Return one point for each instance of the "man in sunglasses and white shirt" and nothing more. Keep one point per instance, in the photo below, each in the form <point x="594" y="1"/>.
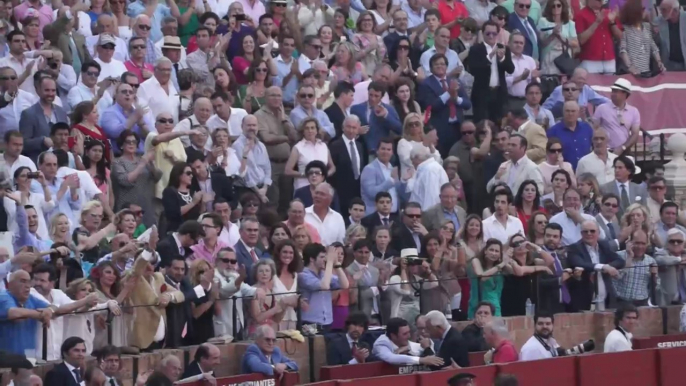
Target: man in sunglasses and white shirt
<point x="230" y="277"/>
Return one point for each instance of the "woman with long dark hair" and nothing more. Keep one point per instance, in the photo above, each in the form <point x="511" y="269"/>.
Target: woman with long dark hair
<point x="179" y="200"/>
<point x="247" y="53"/>
<point x="527" y="201"/>
<point x="251" y="97"/>
<point x="279" y="232"/>
<point x="552" y="202"/>
<point x="97" y="166"/>
<point x="485" y="274"/>
<point x="536" y="225"/>
<point x="288" y="263"/>
<point x="109" y="286"/>
<point x="400" y="58"/>
<point x="403" y="98"/>
<point x="224" y="80"/>
<point x="637" y="46"/>
<point x="557" y="35"/>
<point x="341" y="28"/>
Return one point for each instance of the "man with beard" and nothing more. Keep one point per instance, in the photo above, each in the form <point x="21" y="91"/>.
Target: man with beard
<point x="350" y="348"/>
<point x="556" y="298"/>
<point x="541" y="345"/>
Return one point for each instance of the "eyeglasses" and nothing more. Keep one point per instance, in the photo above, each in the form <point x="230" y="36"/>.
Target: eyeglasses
<point x="491" y="34"/>
<point x="134" y="85"/>
<point x="527" y="6"/>
<point x="500" y="17"/>
<point x="280" y="4"/>
<point x="138" y="47"/>
<point x="127" y="92"/>
<point x="144" y="27"/>
<point x="188" y="173"/>
<point x="92" y="73"/>
<point x="554" y="150"/>
<point x="610" y="205"/>
<point x="228" y="261"/>
<point x="676" y="242"/>
<point x="316" y="47"/>
<point x="588" y="231"/>
<point x="207" y="226"/>
<point x="568" y="89"/>
<point x="11" y="77"/>
<point x="260" y="69"/>
<point x="314" y="173"/>
<point x="131" y="142"/>
<point x="307" y="95"/>
<point x="165" y="120"/>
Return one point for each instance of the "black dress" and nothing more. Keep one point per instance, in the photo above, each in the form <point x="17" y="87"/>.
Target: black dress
<point x="172" y="201"/>
<point x="516" y="289"/>
<point x="203" y="327"/>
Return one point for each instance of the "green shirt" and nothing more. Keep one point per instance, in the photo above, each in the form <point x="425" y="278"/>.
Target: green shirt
<point x="139" y="230"/>
<point x="187" y="30"/>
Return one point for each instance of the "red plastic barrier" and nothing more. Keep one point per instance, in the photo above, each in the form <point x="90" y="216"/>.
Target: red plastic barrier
<point x="660" y="341"/>
<point x="364" y="370"/>
<point x="625" y="368"/>
<point x="477" y="358"/>
<point x="484" y="376"/>
<point x="289" y="379"/>
<point x="558" y="371"/>
<point x="394" y="380"/>
<point x="671" y="361"/>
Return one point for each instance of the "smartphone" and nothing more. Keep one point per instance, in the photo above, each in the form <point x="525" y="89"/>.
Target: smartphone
<point x="240" y="17"/>
<point x="33" y="175"/>
<point x="499" y="45"/>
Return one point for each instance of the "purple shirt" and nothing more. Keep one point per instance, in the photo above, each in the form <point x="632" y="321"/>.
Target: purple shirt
<point x="113" y="122"/>
<point x="200" y="251"/>
<point x="618" y="130"/>
<point x="320" y="301"/>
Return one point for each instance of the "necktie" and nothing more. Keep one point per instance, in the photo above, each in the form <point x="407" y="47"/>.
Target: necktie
<point x="353" y="159"/>
<point x="563" y="288"/>
<point x="625" y="197"/>
<point x="611" y="229"/>
<point x="354" y="346"/>
<point x="451" y="106"/>
<point x="75" y="59"/>
<point x="112" y="382"/>
<point x="253" y="255"/>
<point x="385" y="221"/>
<point x="176" y="68"/>
<point x="77" y="374"/>
<point x="532" y="36"/>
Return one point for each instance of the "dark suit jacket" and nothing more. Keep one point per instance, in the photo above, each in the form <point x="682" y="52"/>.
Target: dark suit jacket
<point x="60" y="376"/>
<point x="192" y="369"/>
<point x="179" y="315"/>
<point x="453" y="348"/>
<point x="338" y="351"/>
<point x="401" y="237"/>
<point x="391" y="40"/>
<point x="549" y="293"/>
<point x="378" y="127"/>
<point x="168" y="249"/>
<point x="481" y="70"/>
<point x="336" y="116"/>
<point x="343" y="180"/>
<point x="59" y="29"/>
<point x="429" y="96"/>
<point x="374" y="220"/>
<point x="244" y="258"/>
<point x="222" y="185"/>
<point x="35" y="128"/>
<point x="474" y="338"/>
<point x="515" y="23"/>
<point x="582" y="291"/>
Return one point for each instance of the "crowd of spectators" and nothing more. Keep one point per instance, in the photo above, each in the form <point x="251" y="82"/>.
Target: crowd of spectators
<point x="197" y="171"/>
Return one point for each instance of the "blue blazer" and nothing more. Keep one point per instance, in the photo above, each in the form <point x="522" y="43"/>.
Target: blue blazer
<point x="515" y="23"/>
<point x="373" y="181"/>
<point x="34" y="128"/>
<point x="244" y="258"/>
<point x="429" y="95"/>
<point x="254" y="361"/>
<point x="378" y="127"/>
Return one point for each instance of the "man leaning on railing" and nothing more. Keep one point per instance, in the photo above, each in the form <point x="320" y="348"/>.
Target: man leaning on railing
<point x="264" y="357"/>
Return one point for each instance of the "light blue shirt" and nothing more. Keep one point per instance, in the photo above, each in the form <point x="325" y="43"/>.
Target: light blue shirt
<point x="66" y="205"/>
<point x="319" y="310"/>
<point x="453" y="60"/>
<point x="394" y="195"/>
<point x="19" y="336"/>
<point x="299" y="113"/>
<point x="283" y="69"/>
<point x="136" y="8"/>
<point x="542" y="114"/>
<point x="259" y="168"/>
<point x="24" y="237"/>
<point x="113" y="122"/>
<point x="586" y="96"/>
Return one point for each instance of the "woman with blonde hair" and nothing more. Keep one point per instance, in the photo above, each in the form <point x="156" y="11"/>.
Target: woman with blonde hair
<point x="345" y="67"/>
<point x="636" y="217"/>
<point x="110" y="286"/>
<point x="353" y="233"/>
<point x="301" y="237"/>
<point x="309" y="148"/>
<point x="83" y="324"/>
<point x="369" y="46"/>
<point x="414" y="133"/>
<point x="201" y="274"/>
<point x="228" y="160"/>
<point x="89" y="237"/>
<point x="590" y="193"/>
<point x="269" y="310"/>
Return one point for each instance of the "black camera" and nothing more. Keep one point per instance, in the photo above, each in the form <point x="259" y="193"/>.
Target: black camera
<point x="52" y="64"/>
<point x="581" y="348"/>
<point x="414" y="261"/>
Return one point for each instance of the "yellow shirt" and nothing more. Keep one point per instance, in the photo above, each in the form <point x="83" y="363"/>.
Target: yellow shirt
<point x="162" y="161"/>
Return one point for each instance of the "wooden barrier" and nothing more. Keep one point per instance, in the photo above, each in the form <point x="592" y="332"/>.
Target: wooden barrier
<point x="624" y="368"/>
<point x="477" y="358"/>
<point x="288" y="379"/>
<point x="660" y="341"/>
<point x="363" y="370"/>
<point x="557" y="371"/>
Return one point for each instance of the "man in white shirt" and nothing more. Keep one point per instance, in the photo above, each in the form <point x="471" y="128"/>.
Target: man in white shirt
<point x="441" y="41"/>
<point x="599" y="162"/>
<point x="202" y="111"/>
<point x="158" y="93"/>
<point x="312" y="49"/>
<point x="225" y="117"/>
<point x="571" y="218"/>
<point x="11" y="157"/>
<point x="619" y="339"/>
<point x="229" y="234"/>
<point x="395" y="347"/>
<point x="13" y="100"/>
<point x="44" y="277"/>
<point x="501" y="225"/>
<point x="20" y="63"/>
<point x="518" y="168"/>
<point x="88" y="88"/>
<point x="105" y="25"/>
<point x="425" y="187"/>
<point x="525" y="71"/>
<point x="328" y="222"/>
<point x="541" y="345"/>
<point x="109" y="66"/>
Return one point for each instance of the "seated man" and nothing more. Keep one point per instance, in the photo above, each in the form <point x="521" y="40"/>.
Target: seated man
<point x="396" y="349"/>
<point x="264" y="357"/>
<point x="350" y="348"/>
<point x="207" y="357"/>
<point x="473" y="334"/>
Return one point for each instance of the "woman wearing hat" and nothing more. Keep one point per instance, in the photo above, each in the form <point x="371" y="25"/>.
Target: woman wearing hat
<point x="405" y="285"/>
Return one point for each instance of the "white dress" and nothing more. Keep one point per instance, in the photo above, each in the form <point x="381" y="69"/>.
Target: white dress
<point x="289" y="318"/>
<point x="125" y="32"/>
<point x="309" y="152"/>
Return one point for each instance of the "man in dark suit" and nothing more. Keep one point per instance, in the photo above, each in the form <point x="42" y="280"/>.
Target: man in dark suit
<point x="348" y="348"/>
<point x="447" y="101"/>
<point x="607" y="221"/>
<point x="520" y="20"/>
<point x="598" y="260"/>
<point x="489" y="94"/>
<point x="344" y="94"/>
<point x="408" y="232"/>
<point x="179" y="315"/>
<point x="451" y="348"/>
<point x="356" y="211"/>
<point x="554" y="296"/>
<point x="349" y="156"/>
<point x="220" y="185"/>
<point x="179" y="243"/>
<point x="63" y="36"/>
<point x="69" y="372"/>
<point x="246" y="249"/>
<point x="622" y="187"/>
<point x="381" y="118"/>
<point x="207" y="357"/>
<point x="33" y="124"/>
<point x="382" y="216"/>
<point x="400" y="23"/>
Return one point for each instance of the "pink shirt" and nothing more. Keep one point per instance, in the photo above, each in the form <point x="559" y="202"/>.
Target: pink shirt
<point x="314" y="235"/>
<point x="617" y="122"/>
<point x="44" y="14"/>
<point x="134" y="68"/>
<point x="200" y="251"/>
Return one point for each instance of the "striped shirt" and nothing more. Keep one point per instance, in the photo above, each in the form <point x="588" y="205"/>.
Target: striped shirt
<point x="639" y="45"/>
<point x="633" y="282"/>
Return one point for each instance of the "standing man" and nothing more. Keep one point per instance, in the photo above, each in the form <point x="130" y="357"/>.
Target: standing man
<point x="519" y="20"/>
<point x="441" y="46"/>
<point x="576" y="135"/>
<point x="366" y="277"/>
<point x="343" y="94"/>
<point x="380" y="118"/>
<point x="572" y="218"/>
<point x="451" y="347"/>
<point x="554" y="296"/>
<point x="328" y="222"/>
<point x="288" y="74"/>
<point x="518" y="168"/>
<point x="598" y="162"/>
<point x="277" y="133"/>
<point x="597" y="29"/>
<point x="635" y="282"/>
<point x="533" y="108"/>
<point x="150" y="25"/>
<point x="13" y="100"/>
<point x="578" y="90"/>
<point x="627" y="191"/>
<point x="672" y="35"/>
<point x="307" y="107"/>
<point x="316" y="280"/>
<point x="20" y="63"/>
<point x="347" y="153"/>
<point x="620" y="121"/>
<point x="158" y="93"/>
<point x="535" y="135"/>
<point x="381" y="176"/>
<point x="524" y="73"/>
<point x="258" y="175"/>
<point x="489" y="61"/>
<point x="35" y="121"/>
<point x="447" y="209"/>
<point x="501" y="225"/>
<point x="609" y="224"/>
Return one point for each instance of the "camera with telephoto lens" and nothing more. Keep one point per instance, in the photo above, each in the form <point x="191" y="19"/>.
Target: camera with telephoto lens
<point x="581" y="348"/>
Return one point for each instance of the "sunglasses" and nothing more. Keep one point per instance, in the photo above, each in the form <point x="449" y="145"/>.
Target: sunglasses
<point x="261" y="69"/>
<point x="555" y="151"/>
<point x="588" y="231"/>
<point x="404" y="48"/>
<point x="11" y="77"/>
<point x="469" y="30"/>
<point x="471" y="132"/>
<point x="280" y="4"/>
<point x="134" y="85"/>
<point x="314" y="173"/>
<point x="413" y="215"/>
<point x="91" y="73"/>
<point x="491" y="34"/>
<point x="676" y="242"/>
<point x="251" y="205"/>
<point x="165" y="120"/>
<point x="527" y="6"/>
<point x="131" y="142"/>
<point x="108" y="47"/>
<point x="144" y="27"/>
<point x="307" y="95"/>
<point x="137" y="47"/>
<point x="609" y="205"/>
<point x="228" y="261"/>
<point x="500" y="17"/>
<point x="568" y="89"/>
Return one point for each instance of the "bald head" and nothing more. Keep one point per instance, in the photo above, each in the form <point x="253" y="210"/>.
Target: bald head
<point x="4" y="254"/>
<point x="249" y="126"/>
<point x="19" y="275"/>
<point x="590" y="232"/>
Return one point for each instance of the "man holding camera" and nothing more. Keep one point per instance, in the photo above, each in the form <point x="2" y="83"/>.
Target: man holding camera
<point x="541" y="345"/>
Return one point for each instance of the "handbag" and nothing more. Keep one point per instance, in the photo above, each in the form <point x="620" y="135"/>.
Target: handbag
<point x="565" y="62"/>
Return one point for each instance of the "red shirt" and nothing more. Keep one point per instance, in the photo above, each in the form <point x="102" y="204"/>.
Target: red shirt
<point x="600" y="46"/>
<point x="448" y="14"/>
<point x="505" y="353"/>
<point x="134" y="68"/>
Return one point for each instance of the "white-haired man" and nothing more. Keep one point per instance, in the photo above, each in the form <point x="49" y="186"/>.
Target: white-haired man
<point x="496" y="336"/>
<point x="669" y="260"/>
<point x="669" y="23"/>
<point x="264" y="356"/>
<point x="158" y="93"/>
<point x="425" y="187"/>
<point x="451" y="347"/>
<point x="328" y="222"/>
